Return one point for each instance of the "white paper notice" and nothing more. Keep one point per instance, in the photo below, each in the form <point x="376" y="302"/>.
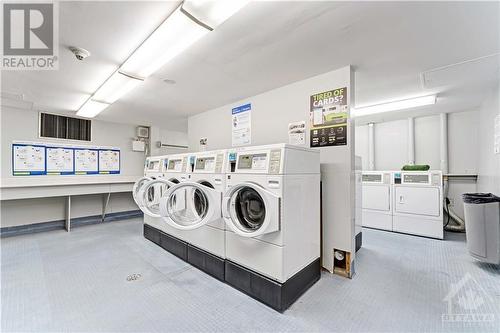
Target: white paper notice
<point x="86" y="161"/>
<point x="28" y="159"/>
<point x="242" y="125"/>
<point x="59" y="160"/>
<point x="297" y="133"/>
<point x="109" y="161"/>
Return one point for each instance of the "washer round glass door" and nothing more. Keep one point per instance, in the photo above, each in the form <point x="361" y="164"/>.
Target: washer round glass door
<point x="150" y="195"/>
<point x="250" y="210"/>
<point x="136" y="190"/>
<point x="190" y="205"/>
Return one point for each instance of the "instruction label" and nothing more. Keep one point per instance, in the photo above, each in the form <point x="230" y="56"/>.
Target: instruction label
<point x="241" y="125"/>
<point x="328" y="116"/>
<point x="297" y="133"/>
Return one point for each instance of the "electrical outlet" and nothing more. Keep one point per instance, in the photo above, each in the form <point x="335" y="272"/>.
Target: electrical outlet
<point x="452" y="202"/>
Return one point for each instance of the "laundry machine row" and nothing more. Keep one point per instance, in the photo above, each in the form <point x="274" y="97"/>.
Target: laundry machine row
<point x="248" y="216"/>
<point x="409" y="202"/>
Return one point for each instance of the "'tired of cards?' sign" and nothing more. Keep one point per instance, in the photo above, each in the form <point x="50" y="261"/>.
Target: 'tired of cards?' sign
<point x="241" y="127"/>
<point x="328" y="118"/>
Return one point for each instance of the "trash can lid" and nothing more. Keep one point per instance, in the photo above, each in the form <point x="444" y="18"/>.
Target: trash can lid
<point x="480" y="198"/>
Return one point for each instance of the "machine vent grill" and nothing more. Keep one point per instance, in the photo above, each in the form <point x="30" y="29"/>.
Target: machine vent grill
<point x="62" y="127"/>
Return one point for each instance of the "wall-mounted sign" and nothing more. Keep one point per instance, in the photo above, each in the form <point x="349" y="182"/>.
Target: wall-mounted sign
<point x="297" y="133"/>
<point x="328" y="118"/>
<point x="28" y="159"/>
<point x="60" y="161"/>
<point x="242" y="125"/>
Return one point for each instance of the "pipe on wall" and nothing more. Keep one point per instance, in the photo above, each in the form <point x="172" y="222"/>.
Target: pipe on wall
<point x="371" y="146"/>
<point x="459" y="225"/>
<point x="411" y="141"/>
<point x="443" y="123"/>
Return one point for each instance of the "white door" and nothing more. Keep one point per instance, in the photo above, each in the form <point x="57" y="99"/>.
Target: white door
<point x="417" y="200"/>
<point x="376" y="197"/>
<point x="250" y="210"/>
<point x="137" y="189"/>
<point x="150" y="194"/>
<point x="190" y="205"/>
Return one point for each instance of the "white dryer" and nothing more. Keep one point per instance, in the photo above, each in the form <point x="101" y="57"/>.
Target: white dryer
<point x="272" y="212"/>
<point x="418" y="204"/>
<point x="377" y="199"/>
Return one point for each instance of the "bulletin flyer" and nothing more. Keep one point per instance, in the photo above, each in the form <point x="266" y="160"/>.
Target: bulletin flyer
<point x="328" y="118"/>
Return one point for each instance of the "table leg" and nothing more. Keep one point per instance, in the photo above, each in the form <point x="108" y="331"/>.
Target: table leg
<point x="67" y="225"/>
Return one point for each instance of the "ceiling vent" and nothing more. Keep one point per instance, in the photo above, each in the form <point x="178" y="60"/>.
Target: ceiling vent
<point x="479" y="70"/>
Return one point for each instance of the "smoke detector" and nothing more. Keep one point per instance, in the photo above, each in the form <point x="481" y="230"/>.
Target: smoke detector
<point x="79" y="53"/>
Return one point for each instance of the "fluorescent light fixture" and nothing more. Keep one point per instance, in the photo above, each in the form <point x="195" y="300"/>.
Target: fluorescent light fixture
<point x="115" y="87"/>
<point x="173" y="36"/>
<point x="213" y="13"/>
<point x="91" y="108"/>
<point x="187" y="24"/>
<point x="394" y="106"/>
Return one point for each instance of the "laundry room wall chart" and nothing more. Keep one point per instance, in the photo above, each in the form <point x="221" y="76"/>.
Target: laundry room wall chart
<point x="43" y="158"/>
<point x="328" y="116"/>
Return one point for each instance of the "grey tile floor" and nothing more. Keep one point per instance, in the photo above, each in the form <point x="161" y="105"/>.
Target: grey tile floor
<point x="58" y="281"/>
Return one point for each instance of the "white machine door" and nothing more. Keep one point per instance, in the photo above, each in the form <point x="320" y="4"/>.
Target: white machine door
<point x="137" y="189"/>
<point x="250" y="210"/>
<point x="150" y="194"/>
<point x="417" y="200"/>
<point x="190" y="205"/>
<point x="376" y="197"/>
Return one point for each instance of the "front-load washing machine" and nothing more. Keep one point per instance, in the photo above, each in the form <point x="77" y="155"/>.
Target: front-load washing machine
<point x="148" y="200"/>
<point x="272" y="212"/>
<point x="418" y="204"/>
<point x="175" y="169"/>
<point x="198" y="220"/>
<point x="377" y="199"/>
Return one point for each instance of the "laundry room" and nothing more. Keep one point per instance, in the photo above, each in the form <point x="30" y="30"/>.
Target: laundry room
<point x="244" y="165"/>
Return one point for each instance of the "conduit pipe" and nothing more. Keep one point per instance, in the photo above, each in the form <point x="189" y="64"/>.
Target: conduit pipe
<point x="371" y="146"/>
<point x="411" y="141"/>
<point x="443" y="122"/>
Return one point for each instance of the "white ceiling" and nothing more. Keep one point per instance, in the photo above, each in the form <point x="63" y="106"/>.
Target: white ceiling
<point x="267" y="45"/>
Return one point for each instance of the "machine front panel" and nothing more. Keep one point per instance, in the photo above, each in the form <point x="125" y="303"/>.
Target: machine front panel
<point x="376" y="197"/>
<point x="417" y="200"/>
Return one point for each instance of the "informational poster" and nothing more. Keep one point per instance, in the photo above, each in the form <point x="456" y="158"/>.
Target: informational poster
<point x="328" y="116"/>
<point x="109" y="161"/>
<point x="28" y="159"/>
<point x="60" y="161"/>
<point x="297" y="133"/>
<point x="86" y="161"/>
<point x="241" y="126"/>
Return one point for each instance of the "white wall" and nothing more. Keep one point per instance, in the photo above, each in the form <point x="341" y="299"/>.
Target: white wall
<point x="391" y="148"/>
<point x="271" y="113"/>
<point x="22" y="125"/>
<point x="167" y="137"/>
<point x="489" y="163"/>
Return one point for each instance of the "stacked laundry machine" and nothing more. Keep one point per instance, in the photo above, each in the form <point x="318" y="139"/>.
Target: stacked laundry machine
<point x="249" y="216"/>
